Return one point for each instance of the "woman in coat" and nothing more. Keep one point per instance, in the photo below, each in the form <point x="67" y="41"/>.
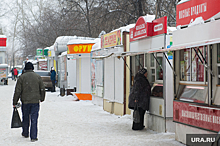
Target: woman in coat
<point x="140" y="94"/>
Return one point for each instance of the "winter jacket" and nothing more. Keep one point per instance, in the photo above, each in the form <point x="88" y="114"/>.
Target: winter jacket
<point x="15" y="71"/>
<point x="53" y="75"/>
<point x="29" y="88"/>
<point x="141" y="92"/>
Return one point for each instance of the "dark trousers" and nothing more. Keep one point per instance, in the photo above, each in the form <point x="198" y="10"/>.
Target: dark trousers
<point x="53" y="83"/>
<point x="139" y="126"/>
<point x="30" y="114"/>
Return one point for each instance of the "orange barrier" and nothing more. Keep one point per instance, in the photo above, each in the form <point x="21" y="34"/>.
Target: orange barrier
<point x="83" y="96"/>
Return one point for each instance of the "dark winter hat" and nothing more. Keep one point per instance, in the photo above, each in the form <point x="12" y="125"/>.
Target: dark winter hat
<point x="142" y="71"/>
<point x="29" y="66"/>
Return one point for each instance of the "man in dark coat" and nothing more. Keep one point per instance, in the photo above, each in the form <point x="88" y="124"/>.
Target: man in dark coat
<point x="30" y="90"/>
<point x="140" y="94"/>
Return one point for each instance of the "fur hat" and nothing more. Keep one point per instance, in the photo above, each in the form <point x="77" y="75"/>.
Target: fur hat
<point x="29" y="66"/>
<point x="142" y="71"/>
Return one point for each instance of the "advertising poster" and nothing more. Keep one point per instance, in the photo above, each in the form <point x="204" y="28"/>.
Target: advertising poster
<point x="182" y="68"/>
<point x="93" y="84"/>
<point x="187" y="64"/>
<point x="194" y="66"/>
<point x="2" y="72"/>
<point x="200" y="67"/>
<point x="111" y="39"/>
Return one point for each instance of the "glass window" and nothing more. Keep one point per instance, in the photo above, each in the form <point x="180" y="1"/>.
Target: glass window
<point x="159" y="71"/>
<point x="157" y="90"/>
<point x="197" y="66"/>
<point x="191" y="67"/>
<point x="185" y="66"/>
<point x="137" y="62"/>
<point x="218" y="53"/>
<point x="152" y="60"/>
<point x="192" y="93"/>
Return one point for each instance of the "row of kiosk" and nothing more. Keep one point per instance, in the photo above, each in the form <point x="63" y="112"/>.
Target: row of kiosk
<point x="183" y="66"/>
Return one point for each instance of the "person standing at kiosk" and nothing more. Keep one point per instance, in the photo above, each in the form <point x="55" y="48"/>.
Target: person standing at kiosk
<point x="140" y="95"/>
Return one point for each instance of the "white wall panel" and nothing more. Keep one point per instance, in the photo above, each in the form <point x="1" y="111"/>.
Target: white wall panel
<point x="85" y="75"/>
<point x="78" y="72"/>
<point x="71" y="69"/>
<point x="109" y="78"/>
<point x="119" y="80"/>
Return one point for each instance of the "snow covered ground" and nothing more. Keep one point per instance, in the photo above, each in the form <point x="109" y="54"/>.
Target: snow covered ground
<point x="65" y="122"/>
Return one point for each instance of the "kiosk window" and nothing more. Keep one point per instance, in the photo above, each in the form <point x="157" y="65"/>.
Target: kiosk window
<point x="159" y="71"/>
<point x="137" y="62"/>
<point x="157" y="90"/>
<point x="218" y="53"/>
<point x="192" y="93"/>
<point x="191" y="68"/>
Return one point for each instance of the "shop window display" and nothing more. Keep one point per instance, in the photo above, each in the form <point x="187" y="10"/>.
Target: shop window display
<point x="137" y="62"/>
<point x="191" y="68"/>
<point x="159" y="71"/>
<point x="192" y="93"/>
<point x="157" y="90"/>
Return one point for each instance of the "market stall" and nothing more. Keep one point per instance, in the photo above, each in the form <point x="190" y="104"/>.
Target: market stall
<point x="80" y="50"/>
<point x="110" y="76"/>
<point x="196" y="48"/>
<point x="151" y="34"/>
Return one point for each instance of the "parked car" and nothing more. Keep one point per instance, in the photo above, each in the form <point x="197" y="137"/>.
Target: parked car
<point x="45" y="75"/>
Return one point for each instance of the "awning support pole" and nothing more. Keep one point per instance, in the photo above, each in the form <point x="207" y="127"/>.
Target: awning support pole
<point x="204" y="64"/>
<point x="169" y="64"/>
<point x="157" y="61"/>
<point x="127" y="65"/>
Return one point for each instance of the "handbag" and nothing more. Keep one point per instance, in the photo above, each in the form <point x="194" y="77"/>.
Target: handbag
<point x="136" y="114"/>
<point x="16" y="121"/>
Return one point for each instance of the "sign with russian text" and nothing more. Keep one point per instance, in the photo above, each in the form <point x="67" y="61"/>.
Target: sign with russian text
<point x="145" y="29"/>
<point x="79" y="48"/>
<point x="160" y="26"/>
<point x="111" y="39"/>
<point x="140" y="30"/>
<point x="196" y="8"/>
<point x="196" y="115"/>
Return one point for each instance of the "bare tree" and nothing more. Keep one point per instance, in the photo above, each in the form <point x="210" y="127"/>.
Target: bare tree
<point x="40" y="22"/>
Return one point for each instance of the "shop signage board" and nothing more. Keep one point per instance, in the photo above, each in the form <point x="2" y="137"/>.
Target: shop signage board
<point x="141" y="30"/>
<point x="111" y="39"/>
<point x="79" y="48"/>
<point x="49" y="53"/>
<point x="3" y="42"/>
<point x="198" y="116"/>
<point x="145" y="29"/>
<point x="196" y="8"/>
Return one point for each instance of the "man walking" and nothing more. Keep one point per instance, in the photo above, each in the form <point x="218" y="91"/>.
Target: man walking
<point x="15" y="73"/>
<point x="30" y="89"/>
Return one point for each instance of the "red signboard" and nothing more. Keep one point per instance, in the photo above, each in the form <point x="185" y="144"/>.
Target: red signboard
<point x="140" y="30"/>
<point x="160" y="26"/>
<point x="145" y="29"/>
<point x="198" y="116"/>
<point x="196" y="8"/>
<point x="3" y="42"/>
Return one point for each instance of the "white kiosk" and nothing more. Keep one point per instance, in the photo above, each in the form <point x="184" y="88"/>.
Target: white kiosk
<point x="80" y="50"/>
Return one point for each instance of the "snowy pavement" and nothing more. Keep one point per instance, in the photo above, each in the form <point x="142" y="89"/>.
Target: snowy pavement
<point x="65" y="122"/>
